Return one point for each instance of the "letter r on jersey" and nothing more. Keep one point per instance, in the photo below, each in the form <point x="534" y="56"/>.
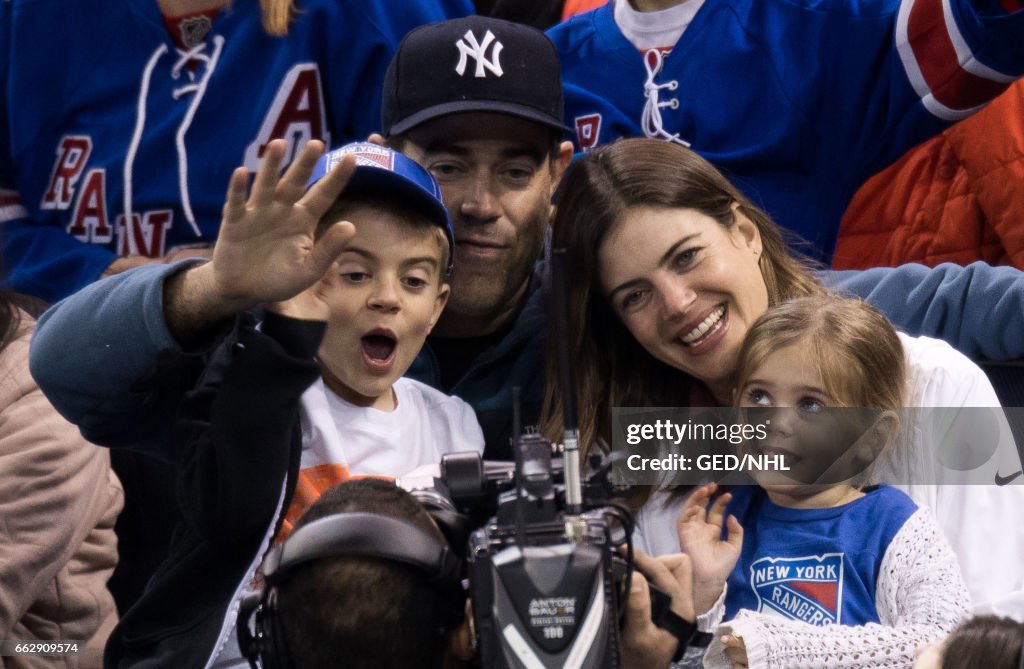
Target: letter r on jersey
<point x="72" y="154"/>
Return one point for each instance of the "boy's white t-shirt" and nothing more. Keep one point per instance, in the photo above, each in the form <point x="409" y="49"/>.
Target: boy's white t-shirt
<point x="425" y="425"/>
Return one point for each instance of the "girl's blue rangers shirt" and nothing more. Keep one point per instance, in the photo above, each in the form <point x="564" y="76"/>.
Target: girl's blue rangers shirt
<point x="113" y="141"/>
<point x="799" y="102"/>
<point x="818" y="566"/>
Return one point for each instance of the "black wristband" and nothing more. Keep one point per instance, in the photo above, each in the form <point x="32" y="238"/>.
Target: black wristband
<point x="683" y="630"/>
<point x="670" y="621"/>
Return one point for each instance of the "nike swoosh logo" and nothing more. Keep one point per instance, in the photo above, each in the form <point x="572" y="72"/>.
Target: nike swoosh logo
<point x="1003" y="480"/>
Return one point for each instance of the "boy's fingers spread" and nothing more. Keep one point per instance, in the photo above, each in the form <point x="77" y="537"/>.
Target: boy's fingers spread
<point x="323" y="194"/>
<point x="266" y="177"/>
<point x="315" y="147"/>
<point x="293" y="183"/>
<point x="234" y="203"/>
<point x="333" y="242"/>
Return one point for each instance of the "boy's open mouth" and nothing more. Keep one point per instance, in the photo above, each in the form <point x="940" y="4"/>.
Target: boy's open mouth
<point x="379" y="348"/>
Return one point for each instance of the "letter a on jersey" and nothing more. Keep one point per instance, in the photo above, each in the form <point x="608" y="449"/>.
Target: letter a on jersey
<point x="297" y="114"/>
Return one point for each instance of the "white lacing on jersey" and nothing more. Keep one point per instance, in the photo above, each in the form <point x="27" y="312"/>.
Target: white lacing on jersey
<point x="140" y="124"/>
<point x="197" y="88"/>
<point x="920" y="596"/>
<point x="654" y="61"/>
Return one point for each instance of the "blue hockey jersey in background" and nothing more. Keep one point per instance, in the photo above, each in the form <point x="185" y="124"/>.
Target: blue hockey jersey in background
<point x="798" y="102"/>
<point x="114" y="142"/>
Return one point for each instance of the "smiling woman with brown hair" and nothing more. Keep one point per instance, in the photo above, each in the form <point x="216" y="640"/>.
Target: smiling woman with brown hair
<point x="616" y="202"/>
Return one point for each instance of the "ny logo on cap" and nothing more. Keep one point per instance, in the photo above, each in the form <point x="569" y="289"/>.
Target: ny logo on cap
<point x="469" y="47"/>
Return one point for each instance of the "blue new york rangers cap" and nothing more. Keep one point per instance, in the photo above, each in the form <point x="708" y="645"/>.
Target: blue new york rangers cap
<point x="380" y="170"/>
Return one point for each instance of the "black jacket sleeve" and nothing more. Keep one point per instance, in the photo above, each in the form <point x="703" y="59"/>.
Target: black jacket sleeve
<point x="239" y="428"/>
<point x="237" y="448"/>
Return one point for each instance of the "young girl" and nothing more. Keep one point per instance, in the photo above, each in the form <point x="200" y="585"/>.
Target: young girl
<point x="827" y="573"/>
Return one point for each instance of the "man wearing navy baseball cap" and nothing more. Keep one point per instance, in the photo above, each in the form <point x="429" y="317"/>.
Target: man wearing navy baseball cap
<point x="478" y="102"/>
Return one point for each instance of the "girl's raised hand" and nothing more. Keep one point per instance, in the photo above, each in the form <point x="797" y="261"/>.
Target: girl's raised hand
<point x="700" y="537"/>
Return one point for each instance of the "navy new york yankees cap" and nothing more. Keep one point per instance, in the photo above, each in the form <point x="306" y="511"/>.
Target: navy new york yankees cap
<point x="473" y="64"/>
<point x="381" y="170"/>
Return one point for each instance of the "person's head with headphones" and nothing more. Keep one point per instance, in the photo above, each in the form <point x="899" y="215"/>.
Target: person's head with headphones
<point x="366" y="580"/>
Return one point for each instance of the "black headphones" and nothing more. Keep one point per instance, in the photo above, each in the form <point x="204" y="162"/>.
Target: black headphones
<point x="344" y="534"/>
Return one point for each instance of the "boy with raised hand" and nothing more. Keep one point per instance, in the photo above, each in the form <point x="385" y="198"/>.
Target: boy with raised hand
<point x="311" y="396"/>
<point x="379" y="299"/>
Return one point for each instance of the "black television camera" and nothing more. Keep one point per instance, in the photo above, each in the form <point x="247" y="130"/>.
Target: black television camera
<point x="549" y="567"/>
<point x="545" y="579"/>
